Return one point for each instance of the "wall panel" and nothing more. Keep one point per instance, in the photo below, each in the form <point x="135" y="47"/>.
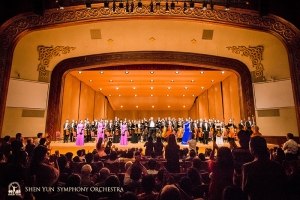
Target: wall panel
<point x="227" y="99"/>
<point x="99" y="109"/>
<point x="203" y="105"/>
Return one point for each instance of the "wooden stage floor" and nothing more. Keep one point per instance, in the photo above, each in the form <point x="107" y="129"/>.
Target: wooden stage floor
<point x="89" y="147"/>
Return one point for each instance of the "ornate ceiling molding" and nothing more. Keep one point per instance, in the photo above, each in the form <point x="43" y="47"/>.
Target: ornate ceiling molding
<point x="12" y="31"/>
<point x="255" y="55"/>
<point x="47" y="53"/>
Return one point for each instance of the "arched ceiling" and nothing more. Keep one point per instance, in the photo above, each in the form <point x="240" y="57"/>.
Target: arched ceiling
<point x="151" y="89"/>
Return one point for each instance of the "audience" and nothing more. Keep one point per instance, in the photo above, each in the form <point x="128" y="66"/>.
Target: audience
<point x="172" y="155"/>
<point x="100" y="148"/>
<point x="37" y="140"/>
<point x="290" y="147"/>
<point x="5" y="147"/>
<point x="221" y="173"/>
<point x="148" y="184"/>
<point x="192" y="143"/>
<point x="263" y="178"/>
<point x="149" y="146"/>
<point x="152" y="166"/>
<point x="158" y="147"/>
<point x="248" y="172"/>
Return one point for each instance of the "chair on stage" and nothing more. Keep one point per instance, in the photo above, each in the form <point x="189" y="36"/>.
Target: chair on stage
<point x="58" y="136"/>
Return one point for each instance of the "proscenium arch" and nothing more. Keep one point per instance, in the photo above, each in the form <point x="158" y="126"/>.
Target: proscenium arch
<point x="15" y="28"/>
<point x="135" y="59"/>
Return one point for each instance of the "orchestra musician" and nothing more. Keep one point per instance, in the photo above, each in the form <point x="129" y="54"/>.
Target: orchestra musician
<point x="67" y="130"/>
<point x="73" y="129"/>
<point x="218" y="130"/>
<point x="152" y="129"/>
<point x="194" y="128"/>
<point x="145" y="130"/>
<point x="231" y="134"/>
<point x="241" y="125"/>
<point x="88" y="129"/>
<point x="199" y="137"/>
<point x="249" y="124"/>
<point x="179" y="129"/>
<point x="205" y="128"/>
<point x="116" y="131"/>
<point x="109" y="128"/>
<point x="158" y="127"/>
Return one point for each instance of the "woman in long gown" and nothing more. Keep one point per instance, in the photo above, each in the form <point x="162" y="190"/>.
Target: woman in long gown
<point x="123" y="139"/>
<point x="80" y="134"/>
<point x="187" y="132"/>
<point x="100" y="130"/>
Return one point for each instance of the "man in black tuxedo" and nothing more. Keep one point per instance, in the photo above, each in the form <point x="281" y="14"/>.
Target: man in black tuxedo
<point x="249" y="124"/>
<point x="67" y="130"/>
<point x="205" y="129"/>
<point x="152" y="129"/>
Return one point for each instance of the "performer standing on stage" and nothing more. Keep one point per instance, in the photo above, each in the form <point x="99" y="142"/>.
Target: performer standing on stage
<point x="205" y="129"/>
<point x="187" y="132"/>
<point x="152" y="129"/>
<point x="80" y="134"/>
<point x="67" y="130"/>
<point x="219" y="138"/>
<point x="100" y="130"/>
<point x="116" y="131"/>
<point x="134" y="132"/>
<point x="179" y="129"/>
<point x="124" y="132"/>
<point x="249" y="124"/>
<point x="109" y="128"/>
<point x="73" y="129"/>
<point x="231" y="134"/>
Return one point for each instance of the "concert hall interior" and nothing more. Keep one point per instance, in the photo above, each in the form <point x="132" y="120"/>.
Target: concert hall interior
<point x="72" y="63"/>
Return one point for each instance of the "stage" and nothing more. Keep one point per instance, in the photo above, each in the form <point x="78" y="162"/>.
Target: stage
<point x="90" y="146"/>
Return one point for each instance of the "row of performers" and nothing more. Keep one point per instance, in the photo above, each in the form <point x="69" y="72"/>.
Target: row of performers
<point x="141" y="129"/>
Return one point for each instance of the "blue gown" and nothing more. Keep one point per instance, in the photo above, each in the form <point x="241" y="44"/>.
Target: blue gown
<point x="187" y="133"/>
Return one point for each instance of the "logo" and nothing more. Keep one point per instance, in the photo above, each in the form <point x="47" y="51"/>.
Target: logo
<point x="14" y="189"/>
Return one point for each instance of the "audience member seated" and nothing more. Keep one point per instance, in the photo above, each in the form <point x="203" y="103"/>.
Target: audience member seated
<point x="290" y="148"/>
<point x="148" y="184"/>
<point x="197" y="188"/>
<point x="221" y="173"/>
<point x="17" y="144"/>
<point x="263" y="178"/>
<point x="170" y="192"/>
<point x="233" y="193"/>
<point x="72" y="181"/>
<point x="113" y="158"/>
<point x="29" y="147"/>
<point x="159" y="180"/>
<point x="241" y="155"/>
<point x="129" y="156"/>
<point x="152" y="166"/>
<point x="149" y="146"/>
<point x="202" y="156"/>
<point x="172" y="155"/>
<point x="108" y="147"/>
<point x="6" y="147"/>
<point x="192" y="155"/>
<point x="197" y="164"/>
<point x="112" y="181"/>
<point x="129" y="196"/>
<point x="278" y="155"/>
<point x="64" y="168"/>
<point x="186" y="185"/>
<point x="2" y="158"/>
<point x="100" y="147"/>
<point x="104" y="174"/>
<point x="192" y="143"/>
<point x="86" y="171"/>
<point x="76" y="159"/>
<point x="81" y="155"/>
<point x="158" y="147"/>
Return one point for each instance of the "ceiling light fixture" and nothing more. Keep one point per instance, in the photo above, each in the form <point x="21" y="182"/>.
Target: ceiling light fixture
<point x="109" y="95"/>
<point x="223" y="72"/>
<point x="193" y="95"/>
<point x="110" y="80"/>
<point x="192" y="81"/>
<point x="184" y="106"/>
<point x="151" y="88"/>
<point x="204" y="6"/>
<point x="121" y="106"/>
<point x="169" y="88"/>
<point x="172" y="81"/>
<point x="177" y="72"/>
<point x="131" y="80"/>
<point x="101" y="72"/>
<point x="151" y="95"/>
<point x="168" y="95"/>
<point x="212" y="80"/>
<point x="168" y="106"/>
<point x="151" y="80"/>
<point x="80" y="72"/>
<point x="135" y="95"/>
<point x="202" y="87"/>
<point x="119" y="95"/>
<point x="126" y="72"/>
<point x="192" y="5"/>
<point x="100" y="88"/>
<point x="91" y="80"/>
<point x="151" y="72"/>
<point x="183" y="95"/>
<point x="172" y="5"/>
<point x="117" y="88"/>
<point x="202" y="72"/>
<point x="152" y="106"/>
<point x="133" y="88"/>
<point x="137" y="106"/>
<point x="186" y="88"/>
